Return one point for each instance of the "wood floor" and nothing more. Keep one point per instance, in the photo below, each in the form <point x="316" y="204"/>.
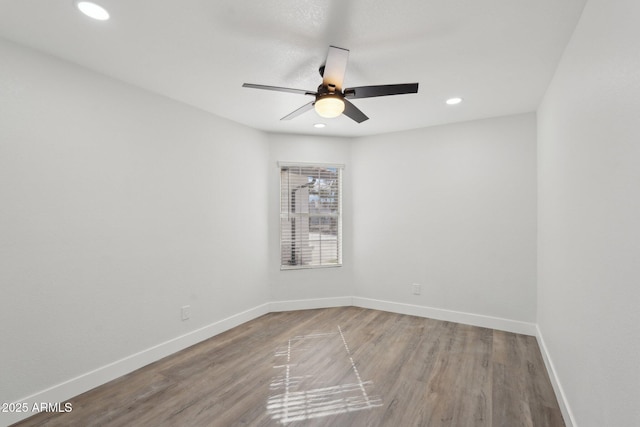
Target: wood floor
<point x="340" y="367"/>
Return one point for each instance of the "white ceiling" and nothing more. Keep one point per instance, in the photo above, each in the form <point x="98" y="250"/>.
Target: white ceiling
<point x="499" y="55"/>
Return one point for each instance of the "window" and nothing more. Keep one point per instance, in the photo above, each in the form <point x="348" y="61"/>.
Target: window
<point x="310" y="215"/>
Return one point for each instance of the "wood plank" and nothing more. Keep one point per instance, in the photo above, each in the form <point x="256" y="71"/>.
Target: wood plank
<point x="347" y="366"/>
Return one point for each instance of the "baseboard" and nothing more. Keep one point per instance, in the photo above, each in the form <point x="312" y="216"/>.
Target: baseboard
<point x="75" y="386"/>
<point x="567" y="414"/>
<point x="85" y="382"/>
<point x="307" y="304"/>
<point x="498" y="323"/>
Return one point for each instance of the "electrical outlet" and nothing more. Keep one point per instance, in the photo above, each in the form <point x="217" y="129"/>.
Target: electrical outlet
<point x="185" y="312"/>
<point x="417" y="289"/>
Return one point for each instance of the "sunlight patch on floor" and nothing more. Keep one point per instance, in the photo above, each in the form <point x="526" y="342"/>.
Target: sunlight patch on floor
<point x="310" y="386"/>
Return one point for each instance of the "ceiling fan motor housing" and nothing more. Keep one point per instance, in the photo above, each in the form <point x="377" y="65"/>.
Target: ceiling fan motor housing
<point x="328" y="90"/>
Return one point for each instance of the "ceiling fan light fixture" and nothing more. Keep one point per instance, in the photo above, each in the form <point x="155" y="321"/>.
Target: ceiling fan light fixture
<point x="93" y="10"/>
<point x="329" y="106"/>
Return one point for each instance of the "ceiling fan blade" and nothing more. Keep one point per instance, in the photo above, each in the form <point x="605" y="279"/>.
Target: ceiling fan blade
<point x="335" y="67"/>
<point x="353" y="112"/>
<point x="299" y="111"/>
<point x="279" y="89"/>
<point x="380" y="90"/>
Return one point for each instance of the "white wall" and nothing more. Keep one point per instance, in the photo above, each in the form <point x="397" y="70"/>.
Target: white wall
<point x="452" y="208"/>
<point x="317" y="283"/>
<point x="589" y="211"/>
<point x="117" y="208"/>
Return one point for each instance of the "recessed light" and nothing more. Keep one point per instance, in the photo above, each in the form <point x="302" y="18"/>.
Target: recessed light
<point x="319" y="125"/>
<point x="454" y="101"/>
<point x="93" y="10"/>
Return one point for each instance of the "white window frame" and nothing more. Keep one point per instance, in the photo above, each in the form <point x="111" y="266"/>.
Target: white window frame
<point x="337" y="215"/>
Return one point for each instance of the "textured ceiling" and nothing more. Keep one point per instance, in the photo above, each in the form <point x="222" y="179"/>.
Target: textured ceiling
<point x="499" y="55"/>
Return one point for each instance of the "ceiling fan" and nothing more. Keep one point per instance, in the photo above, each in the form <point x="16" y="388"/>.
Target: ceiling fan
<point x="331" y="99"/>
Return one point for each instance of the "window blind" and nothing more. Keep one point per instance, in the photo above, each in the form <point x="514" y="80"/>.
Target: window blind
<point x="310" y="216"/>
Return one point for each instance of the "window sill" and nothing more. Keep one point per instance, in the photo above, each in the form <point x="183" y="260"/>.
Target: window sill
<point x="307" y="267"/>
